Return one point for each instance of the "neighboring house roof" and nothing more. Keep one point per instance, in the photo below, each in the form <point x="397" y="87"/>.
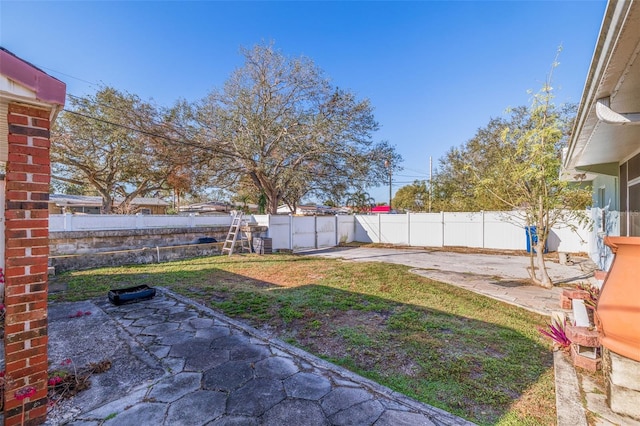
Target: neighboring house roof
<point x="611" y="95"/>
<point x="310" y="209"/>
<point x="284" y="209"/>
<point x="88" y="200"/>
<point x="381" y="209"/>
<point x="211" y="206"/>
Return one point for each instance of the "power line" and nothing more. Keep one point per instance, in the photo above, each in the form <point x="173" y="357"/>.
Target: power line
<point x="69" y="75"/>
<point x="144" y="132"/>
<point x="182" y="142"/>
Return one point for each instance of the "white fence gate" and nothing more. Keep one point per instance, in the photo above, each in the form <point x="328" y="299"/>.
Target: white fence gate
<point x="307" y="232"/>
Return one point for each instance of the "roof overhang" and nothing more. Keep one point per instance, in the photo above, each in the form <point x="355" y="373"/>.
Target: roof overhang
<point x="23" y="81"/>
<point x="605" y="132"/>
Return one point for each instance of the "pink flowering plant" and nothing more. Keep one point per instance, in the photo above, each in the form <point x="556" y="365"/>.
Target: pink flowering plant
<point x="22" y="394"/>
<point x="67" y="380"/>
<point x="80" y="314"/>
<point x="556" y="332"/>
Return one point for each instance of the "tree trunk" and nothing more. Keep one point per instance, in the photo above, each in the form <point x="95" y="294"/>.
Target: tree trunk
<point x="272" y="206"/>
<point x="545" y="279"/>
<point x="536" y="259"/>
<point x="532" y="265"/>
<point x="107" y="204"/>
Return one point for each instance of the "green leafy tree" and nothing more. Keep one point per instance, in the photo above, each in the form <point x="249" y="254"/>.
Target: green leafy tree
<point x="414" y="197"/>
<point x="455" y="185"/>
<point x="120" y="146"/>
<point x="279" y="123"/>
<point x="526" y="176"/>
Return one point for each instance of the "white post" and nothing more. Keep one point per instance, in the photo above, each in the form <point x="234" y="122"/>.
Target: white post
<point x="482" y="213"/>
<point x="290" y="232"/>
<point x="379" y="228"/>
<point x="269" y="225"/>
<point x="315" y="231"/>
<point x="442" y="227"/>
<point x="335" y="217"/>
<point x="409" y="228"/>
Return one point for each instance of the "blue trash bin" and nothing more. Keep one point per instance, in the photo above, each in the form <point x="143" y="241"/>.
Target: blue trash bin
<point x="533" y="239"/>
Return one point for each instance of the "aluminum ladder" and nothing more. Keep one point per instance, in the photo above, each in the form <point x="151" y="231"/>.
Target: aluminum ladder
<point x="233" y="234"/>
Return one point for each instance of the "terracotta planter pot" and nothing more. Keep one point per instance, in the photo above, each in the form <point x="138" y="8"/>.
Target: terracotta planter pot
<point x="596" y="321"/>
<point x="618" y="306"/>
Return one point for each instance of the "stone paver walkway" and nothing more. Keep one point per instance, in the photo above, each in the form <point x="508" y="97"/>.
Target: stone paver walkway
<point x="218" y="371"/>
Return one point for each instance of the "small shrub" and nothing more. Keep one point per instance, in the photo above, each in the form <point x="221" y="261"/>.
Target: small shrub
<point x="594" y="294"/>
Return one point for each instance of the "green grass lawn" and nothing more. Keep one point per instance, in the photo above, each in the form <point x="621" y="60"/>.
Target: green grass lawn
<point x="468" y="354"/>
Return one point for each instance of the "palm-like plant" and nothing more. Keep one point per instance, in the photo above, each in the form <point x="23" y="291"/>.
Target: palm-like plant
<point x="360" y="201"/>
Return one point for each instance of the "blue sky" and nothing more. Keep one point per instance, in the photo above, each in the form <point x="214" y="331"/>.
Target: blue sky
<point x="435" y="72"/>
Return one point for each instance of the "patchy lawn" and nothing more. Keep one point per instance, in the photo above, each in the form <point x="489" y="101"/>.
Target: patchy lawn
<point x="473" y="356"/>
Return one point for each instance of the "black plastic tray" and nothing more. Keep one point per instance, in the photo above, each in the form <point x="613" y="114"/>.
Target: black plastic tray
<point x="120" y="296"/>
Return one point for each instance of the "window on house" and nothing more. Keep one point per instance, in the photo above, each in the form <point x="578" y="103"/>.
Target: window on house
<point x="623" y="199"/>
<point x="634" y="210"/>
<point x="601" y="206"/>
<point x="601" y="197"/>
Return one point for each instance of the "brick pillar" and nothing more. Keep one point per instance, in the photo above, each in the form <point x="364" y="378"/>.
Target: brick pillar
<point x="26" y="237"/>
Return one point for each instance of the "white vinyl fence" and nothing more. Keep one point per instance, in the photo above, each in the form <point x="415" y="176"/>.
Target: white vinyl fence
<point x="104" y="222"/>
<point x="491" y="230"/>
<point x="307" y="232"/>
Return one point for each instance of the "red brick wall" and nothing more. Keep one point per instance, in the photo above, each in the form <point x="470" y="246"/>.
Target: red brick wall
<point x="26" y="240"/>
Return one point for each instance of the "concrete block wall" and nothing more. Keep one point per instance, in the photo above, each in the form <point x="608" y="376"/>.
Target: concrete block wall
<point x="90" y="242"/>
<point x="26" y="254"/>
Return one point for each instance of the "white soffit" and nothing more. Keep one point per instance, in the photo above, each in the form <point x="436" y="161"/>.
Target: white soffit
<point x="615" y="74"/>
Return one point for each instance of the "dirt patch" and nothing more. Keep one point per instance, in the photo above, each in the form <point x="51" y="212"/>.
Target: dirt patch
<point x="511" y="283"/>
<point x="337" y="335"/>
<point x="553" y="256"/>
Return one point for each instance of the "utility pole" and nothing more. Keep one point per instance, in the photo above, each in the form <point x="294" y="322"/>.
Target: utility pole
<point x="387" y="164"/>
<point x="430" y="181"/>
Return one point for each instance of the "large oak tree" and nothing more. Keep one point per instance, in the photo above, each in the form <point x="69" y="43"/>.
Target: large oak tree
<point x="280" y="123"/>
<point x="122" y="148"/>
